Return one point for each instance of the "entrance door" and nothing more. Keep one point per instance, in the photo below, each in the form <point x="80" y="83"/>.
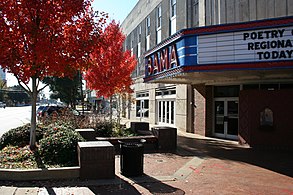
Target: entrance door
<point x="226" y="118"/>
<point x="166" y="112"/>
<point x="142" y="108"/>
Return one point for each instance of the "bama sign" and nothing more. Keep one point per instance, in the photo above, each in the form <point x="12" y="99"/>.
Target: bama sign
<point x="179" y="53"/>
<point x="260" y="45"/>
<point x="162" y="60"/>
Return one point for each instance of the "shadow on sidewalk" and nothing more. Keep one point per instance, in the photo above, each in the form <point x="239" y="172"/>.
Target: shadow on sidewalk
<point x="131" y="186"/>
<point x="155" y="186"/>
<point x="280" y="161"/>
<point x="77" y="186"/>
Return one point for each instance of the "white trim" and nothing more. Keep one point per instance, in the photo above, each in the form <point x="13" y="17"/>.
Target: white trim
<point x="166" y="97"/>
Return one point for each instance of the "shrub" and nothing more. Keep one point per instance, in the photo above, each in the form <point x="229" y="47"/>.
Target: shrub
<point x="59" y="145"/>
<point x="104" y="129"/>
<point x="112" y="129"/>
<point x="52" y="128"/>
<point x="126" y="132"/>
<point x="16" y="157"/>
<point x="20" y="136"/>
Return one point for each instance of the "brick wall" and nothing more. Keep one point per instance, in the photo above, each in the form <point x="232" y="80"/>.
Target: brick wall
<point x="203" y="110"/>
<point x="252" y="103"/>
<point x="199" y="109"/>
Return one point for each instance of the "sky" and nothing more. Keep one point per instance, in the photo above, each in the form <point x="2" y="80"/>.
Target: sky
<point x="116" y="9"/>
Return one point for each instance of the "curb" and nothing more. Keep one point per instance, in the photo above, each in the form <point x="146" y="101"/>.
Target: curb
<point x="39" y="174"/>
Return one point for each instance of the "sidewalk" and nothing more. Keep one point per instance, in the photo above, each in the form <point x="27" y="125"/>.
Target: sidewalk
<point x="200" y="166"/>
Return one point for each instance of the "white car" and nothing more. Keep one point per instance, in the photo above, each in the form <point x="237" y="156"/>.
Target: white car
<point x="2" y="105"/>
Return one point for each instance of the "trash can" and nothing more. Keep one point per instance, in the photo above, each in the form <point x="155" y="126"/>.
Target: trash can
<point x="131" y="158"/>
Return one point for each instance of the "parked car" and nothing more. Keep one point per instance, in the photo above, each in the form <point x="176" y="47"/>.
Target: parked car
<point x="49" y="110"/>
<point x="2" y="105"/>
<point x="40" y="108"/>
<point x="44" y="111"/>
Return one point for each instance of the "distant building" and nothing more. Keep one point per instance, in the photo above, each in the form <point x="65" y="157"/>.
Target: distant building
<point x="2" y="75"/>
<point x="216" y="68"/>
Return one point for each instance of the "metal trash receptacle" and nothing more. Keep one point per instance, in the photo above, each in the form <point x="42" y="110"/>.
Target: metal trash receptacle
<point x="131" y="158"/>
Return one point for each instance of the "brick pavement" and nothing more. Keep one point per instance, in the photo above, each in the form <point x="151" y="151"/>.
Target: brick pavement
<point x="200" y="166"/>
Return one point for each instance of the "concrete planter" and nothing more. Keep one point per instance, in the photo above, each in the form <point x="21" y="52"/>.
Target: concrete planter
<point x="39" y="174"/>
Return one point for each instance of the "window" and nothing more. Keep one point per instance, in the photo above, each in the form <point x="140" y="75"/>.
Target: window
<point x="159" y="24"/>
<point x="166" y="111"/>
<point x="148" y="26"/>
<point x="165" y="105"/>
<point x="173" y="17"/>
<point x="142" y="105"/>
<point x="139" y="33"/>
<point x="159" y="16"/>
<point x="195" y="15"/>
<point x="139" y="43"/>
<point x="227" y="91"/>
<point x="173" y="8"/>
<point x="142" y="108"/>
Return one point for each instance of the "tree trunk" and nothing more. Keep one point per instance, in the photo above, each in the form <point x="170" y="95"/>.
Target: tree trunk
<point x="111" y="113"/>
<point x="34" y="95"/>
<point x="118" y="109"/>
<point x="81" y="92"/>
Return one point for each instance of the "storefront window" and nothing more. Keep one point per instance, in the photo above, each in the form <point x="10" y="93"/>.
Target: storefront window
<point x="166" y="111"/>
<point x="142" y="105"/>
<point x="142" y="108"/>
<point x="226" y="91"/>
<point x="165" y="106"/>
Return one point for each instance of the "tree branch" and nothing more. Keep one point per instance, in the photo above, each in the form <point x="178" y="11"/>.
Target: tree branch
<point x="43" y="88"/>
<point x="24" y="86"/>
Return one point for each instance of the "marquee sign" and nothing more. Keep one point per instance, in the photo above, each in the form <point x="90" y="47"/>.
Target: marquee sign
<point x="246" y="46"/>
<point x="162" y="60"/>
<point x="222" y="47"/>
<point x="182" y="52"/>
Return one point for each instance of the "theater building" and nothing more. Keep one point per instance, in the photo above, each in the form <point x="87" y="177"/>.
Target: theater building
<point x="217" y="68"/>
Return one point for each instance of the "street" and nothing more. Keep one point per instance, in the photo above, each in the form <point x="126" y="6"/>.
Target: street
<point x="12" y="117"/>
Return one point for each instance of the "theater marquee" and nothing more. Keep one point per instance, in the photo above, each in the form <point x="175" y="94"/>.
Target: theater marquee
<point x="246" y="46"/>
<point x="266" y="44"/>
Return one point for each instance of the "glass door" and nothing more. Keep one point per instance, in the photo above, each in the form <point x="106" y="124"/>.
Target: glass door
<point x="226" y="118"/>
<point x="142" y="108"/>
<point x="166" y="112"/>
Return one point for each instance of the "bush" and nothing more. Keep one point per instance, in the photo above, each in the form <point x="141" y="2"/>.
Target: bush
<point x="20" y="136"/>
<point x="52" y="128"/>
<point x="59" y="145"/>
<point x="112" y="129"/>
<point x="104" y="129"/>
<point x="124" y="132"/>
<point x="16" y="157"/>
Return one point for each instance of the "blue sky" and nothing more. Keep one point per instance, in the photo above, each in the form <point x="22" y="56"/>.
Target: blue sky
<point x="117" y="9"/>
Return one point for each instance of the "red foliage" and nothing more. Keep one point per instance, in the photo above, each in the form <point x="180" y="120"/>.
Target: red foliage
<point x="112" y="67"/>
<point x="46" y="38"/>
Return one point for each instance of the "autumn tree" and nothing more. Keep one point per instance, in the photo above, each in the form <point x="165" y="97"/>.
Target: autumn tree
<point x="46" y="38"/>
<point x="112" y="66"/>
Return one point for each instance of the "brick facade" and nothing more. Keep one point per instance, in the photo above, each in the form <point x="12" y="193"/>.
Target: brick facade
<point x="252" y="103"/>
